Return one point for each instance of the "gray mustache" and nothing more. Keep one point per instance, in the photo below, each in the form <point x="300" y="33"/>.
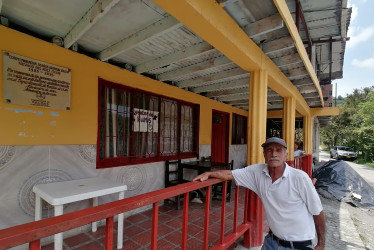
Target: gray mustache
<point x="274" y="159"/>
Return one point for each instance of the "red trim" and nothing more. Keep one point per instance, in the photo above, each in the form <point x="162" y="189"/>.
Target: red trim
<point x="34" y="231"/>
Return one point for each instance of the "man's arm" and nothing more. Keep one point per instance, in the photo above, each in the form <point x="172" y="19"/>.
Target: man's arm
<point x="225" y="175"/>
<point x="319" y="222"/>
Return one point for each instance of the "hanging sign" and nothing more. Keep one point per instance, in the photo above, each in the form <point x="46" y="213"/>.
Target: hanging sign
<point x="35" y="83"/>
<point x="145" y="120"/>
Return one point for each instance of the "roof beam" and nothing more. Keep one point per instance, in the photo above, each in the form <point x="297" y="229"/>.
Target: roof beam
<point x="97" y="11"/>
<point x="241" y="96"/>
<point x="264" y="26"/>
<point x="302" y="82"/>
<point x="287" y="60"/>
<point x="282" y="7"/>
<point x="227" y="92"/>
<point x="174" y="57"/>
<point x="307" y="88"/>
<point x="258" y="28"/>
<point x="278" y="45"/>
<point x="297" y="72"/>
<point x="222" y="85"/>
<point x="212" y="23"/>
<point x="227" y="74"/>
<point x="156" y="29"/>
<point x="327" y="111"/>
<point x="195" y="68"/>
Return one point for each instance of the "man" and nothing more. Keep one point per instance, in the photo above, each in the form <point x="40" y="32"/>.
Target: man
<point x="292" y="206"/>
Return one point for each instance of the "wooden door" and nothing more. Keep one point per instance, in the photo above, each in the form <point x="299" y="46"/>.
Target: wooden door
<point x="220" y="137"/>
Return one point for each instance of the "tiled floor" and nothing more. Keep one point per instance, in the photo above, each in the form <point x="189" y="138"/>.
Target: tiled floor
<point x="137" y="228"/>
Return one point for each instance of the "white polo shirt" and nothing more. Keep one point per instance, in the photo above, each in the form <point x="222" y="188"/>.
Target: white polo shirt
<point x="290" y="202"/>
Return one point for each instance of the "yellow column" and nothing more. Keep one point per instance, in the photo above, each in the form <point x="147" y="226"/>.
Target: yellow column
<point x="308" y="134"/>
<point x="256" y="136"/>
<point x="288" y="128"/>
<point x="257" y="116"/>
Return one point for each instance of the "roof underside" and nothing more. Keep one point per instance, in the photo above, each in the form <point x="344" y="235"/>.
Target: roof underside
<point x="142" y="37"/>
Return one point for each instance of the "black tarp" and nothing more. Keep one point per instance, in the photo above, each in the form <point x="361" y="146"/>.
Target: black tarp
<point x="341" y="180"/>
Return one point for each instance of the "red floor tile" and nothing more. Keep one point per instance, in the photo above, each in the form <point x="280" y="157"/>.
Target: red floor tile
<point x="91" y="246"/>
<point x="143" y="239"/>
<point x="77" y="240"/>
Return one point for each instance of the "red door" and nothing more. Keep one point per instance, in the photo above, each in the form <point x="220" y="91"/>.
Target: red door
<point x="220" y="137"/>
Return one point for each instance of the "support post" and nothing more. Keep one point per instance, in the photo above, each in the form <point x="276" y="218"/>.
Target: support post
<point x="288" y="126"/>
<point x="256" y="135"/>
<point x="308" y="134"/>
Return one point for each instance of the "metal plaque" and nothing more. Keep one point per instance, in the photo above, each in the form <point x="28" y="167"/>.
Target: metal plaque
<point x="34" y="83"/>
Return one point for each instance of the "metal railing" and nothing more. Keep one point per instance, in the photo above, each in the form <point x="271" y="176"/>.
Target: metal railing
<point x="303" y="163"/>
<point x="33" y="232"/>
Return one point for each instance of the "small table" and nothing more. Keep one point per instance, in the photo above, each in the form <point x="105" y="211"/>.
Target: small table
<point x="204" y="166"/>
<point x="59" y="193"/>
<point x="201" y="167"/>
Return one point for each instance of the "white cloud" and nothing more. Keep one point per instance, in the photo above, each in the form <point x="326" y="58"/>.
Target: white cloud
<point x="354" y="10"/>
<point x="366" y="63"/>
<point x="359" y="35"/>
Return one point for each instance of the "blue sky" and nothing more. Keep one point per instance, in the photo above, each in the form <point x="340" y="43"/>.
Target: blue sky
<point x="358" y="71"/>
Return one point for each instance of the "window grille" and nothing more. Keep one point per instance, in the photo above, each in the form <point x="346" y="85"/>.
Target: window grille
<point x="138" y="127"/>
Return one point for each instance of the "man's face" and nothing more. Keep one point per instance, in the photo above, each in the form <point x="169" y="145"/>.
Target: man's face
<point x="275" y="155"/>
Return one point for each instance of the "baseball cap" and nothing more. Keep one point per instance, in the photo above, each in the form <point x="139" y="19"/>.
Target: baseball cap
<point x="277" y="140"/>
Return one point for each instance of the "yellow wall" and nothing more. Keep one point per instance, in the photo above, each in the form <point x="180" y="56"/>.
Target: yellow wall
<point x="27" y="125"/>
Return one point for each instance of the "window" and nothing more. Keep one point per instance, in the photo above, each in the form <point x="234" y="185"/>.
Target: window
<point x="239" y="129"/>
<point x="138" y="127"/>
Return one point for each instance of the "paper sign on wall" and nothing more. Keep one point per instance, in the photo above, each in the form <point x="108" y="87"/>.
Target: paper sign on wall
<point x="145" y="120"/>
<point x="34" y="83"/>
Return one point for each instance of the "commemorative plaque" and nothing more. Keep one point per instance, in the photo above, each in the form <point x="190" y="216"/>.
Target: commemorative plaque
<point x="34" y="83"/>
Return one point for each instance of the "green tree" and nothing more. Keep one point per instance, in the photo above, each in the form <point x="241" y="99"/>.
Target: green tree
<point x="354" y="126"/>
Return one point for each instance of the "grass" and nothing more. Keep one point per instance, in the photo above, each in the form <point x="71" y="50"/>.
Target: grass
<point x="363" y="162"/>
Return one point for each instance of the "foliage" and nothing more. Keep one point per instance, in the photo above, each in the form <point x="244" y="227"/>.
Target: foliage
<point x="354" y="126"/>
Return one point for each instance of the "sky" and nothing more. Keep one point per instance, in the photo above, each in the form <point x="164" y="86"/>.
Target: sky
<point x="358" y="70"/>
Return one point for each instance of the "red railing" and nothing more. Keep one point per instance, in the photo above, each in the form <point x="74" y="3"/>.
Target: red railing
<point x="303" y="163"/>
<point x="34" y="231"/>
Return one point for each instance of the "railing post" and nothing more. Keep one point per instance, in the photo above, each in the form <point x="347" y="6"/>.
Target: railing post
<point x="154" y="226"/>
<point x="109" y="233"/>
<point x="223" y="212"/>
<point x="207" y="210"/>
<point x="307" y="162"/>
<point x="185" y="220"/>
<point x="256" y="217"/>
<point x="34" y="245"/>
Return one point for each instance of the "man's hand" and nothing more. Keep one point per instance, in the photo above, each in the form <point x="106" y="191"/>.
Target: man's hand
<point x="224" y="175"/>
<point x="202" y="177"/>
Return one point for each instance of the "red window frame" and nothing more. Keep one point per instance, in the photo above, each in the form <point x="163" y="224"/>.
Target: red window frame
<point x="188" y="125"/>
<point x="239" y="129"/>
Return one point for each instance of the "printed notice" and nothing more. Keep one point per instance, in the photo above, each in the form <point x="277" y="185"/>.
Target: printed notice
<point x="35" y="83"/>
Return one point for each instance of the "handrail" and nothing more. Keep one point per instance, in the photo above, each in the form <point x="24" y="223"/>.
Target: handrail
<point x="303" y="163"/>
<point x="32" y="232"/>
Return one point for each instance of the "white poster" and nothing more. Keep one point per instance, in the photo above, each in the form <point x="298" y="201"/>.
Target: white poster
<point x="34" y="83"/>
<point x="145" y="120"/>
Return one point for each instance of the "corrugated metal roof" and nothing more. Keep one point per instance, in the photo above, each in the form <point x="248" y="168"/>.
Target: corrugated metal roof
<point x="144" y="38"/>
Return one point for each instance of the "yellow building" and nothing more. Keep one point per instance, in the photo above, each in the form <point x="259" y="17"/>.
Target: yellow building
<point x="115" y="88"/>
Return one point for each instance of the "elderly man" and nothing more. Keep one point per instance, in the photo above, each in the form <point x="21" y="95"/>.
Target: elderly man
<point x="292" y="206"/>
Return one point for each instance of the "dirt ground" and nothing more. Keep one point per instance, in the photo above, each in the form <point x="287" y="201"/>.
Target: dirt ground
<point x="362" y="218"/>
<point x="364" y="222"/>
